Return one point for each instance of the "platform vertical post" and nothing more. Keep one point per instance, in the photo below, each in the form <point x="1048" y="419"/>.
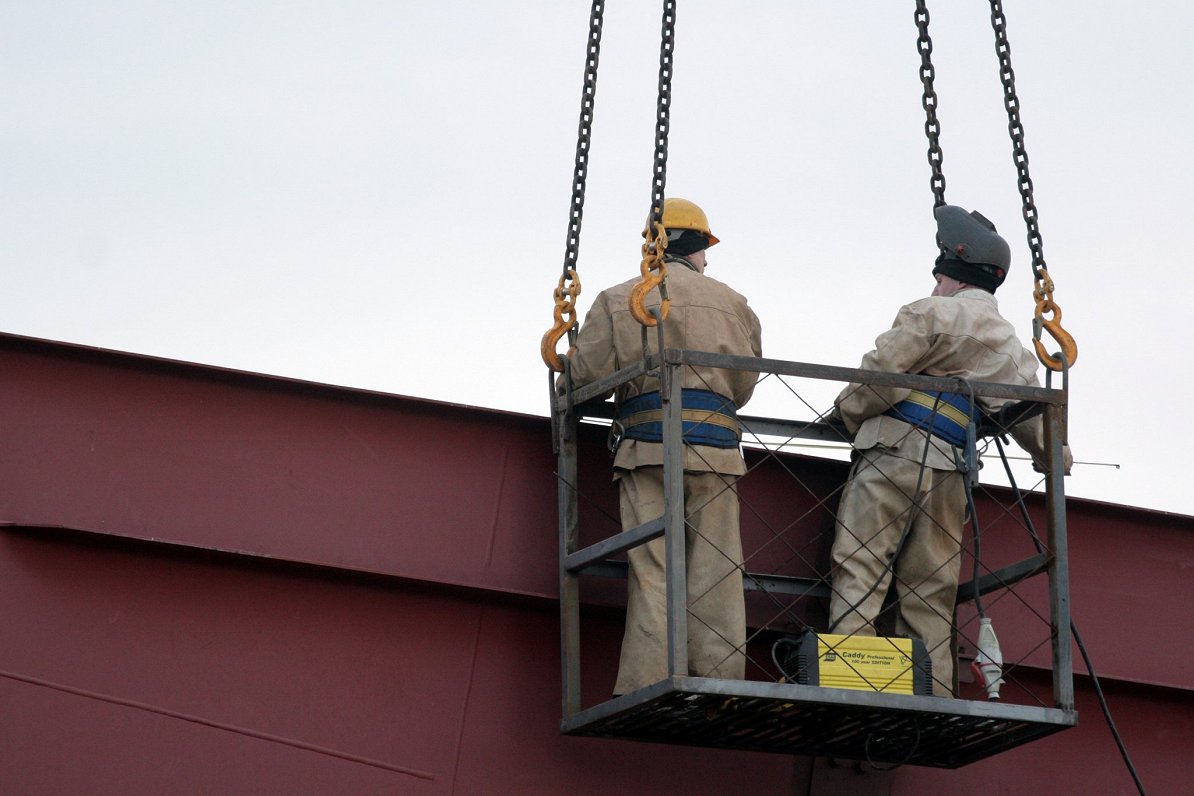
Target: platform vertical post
<point x="569" y="581"/>
<point x="1059" y="567"/>
<point x="673" y="515"/>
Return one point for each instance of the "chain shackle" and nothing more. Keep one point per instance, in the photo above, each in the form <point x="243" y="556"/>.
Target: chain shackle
<point x="654" y="275"/>
<point x="924" y="43"/>
<point x="1043" y="291"/>
<point x="569" y="283"/>
<point x="565" y="317"/>
<point x="653" y="268"/>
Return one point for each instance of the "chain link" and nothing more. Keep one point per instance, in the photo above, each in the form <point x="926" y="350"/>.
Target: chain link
<point x="1016" y="130"/>
<point x="584" y="136"/>
<point x="663" y="110"/>
<point x="653" y="267"/>
<point x="1043" y="292"/>
<point x="569" y="286"/>
<point x="929" y="102"/>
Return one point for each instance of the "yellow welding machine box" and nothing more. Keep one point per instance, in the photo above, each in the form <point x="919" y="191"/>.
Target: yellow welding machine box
<point x="864" y="663"/>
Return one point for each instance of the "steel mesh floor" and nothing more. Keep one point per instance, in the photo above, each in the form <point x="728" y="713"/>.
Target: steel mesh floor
<point x="882" y="729"/>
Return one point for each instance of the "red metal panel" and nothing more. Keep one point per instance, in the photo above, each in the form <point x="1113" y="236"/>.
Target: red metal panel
<point x="139" y="673"/>
<point x="126" y="672"/>
<point x="154" y="450"/>
<point x="166" y="675"/>
<point x="1157" y="727"/>
<point x="1132" y="589"/>
<point x="136" y="446"/>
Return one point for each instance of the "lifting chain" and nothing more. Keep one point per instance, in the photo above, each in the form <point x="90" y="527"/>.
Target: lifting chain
<point x="569" y="287"/>
<point x="929" y="102"/>
<point x="653" y="267"/>
<point x="1043" y="292"/>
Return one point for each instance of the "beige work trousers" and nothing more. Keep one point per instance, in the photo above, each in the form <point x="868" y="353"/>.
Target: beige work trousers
<point x="716" y="607"/>
<point x="872" y="517"/>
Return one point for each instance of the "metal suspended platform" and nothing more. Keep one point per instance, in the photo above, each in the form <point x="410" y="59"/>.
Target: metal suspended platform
<point x="883" y="729"/>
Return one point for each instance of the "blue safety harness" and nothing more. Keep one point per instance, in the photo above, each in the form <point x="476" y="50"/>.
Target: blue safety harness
<point x="945" y="414"/>
<point x="707" y="418"/>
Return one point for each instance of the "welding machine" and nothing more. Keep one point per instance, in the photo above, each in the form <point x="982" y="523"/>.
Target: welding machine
<point x="864" y="663"/>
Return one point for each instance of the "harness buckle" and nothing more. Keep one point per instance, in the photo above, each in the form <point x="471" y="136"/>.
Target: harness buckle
<point x="617" y="432"/>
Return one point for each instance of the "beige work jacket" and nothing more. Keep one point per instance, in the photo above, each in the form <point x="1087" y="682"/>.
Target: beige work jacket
<point x="960" y="335"/>
<point x="705" y="315"/>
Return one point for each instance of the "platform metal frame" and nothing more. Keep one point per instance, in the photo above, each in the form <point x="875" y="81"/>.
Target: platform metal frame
<point x="880" y="728"/>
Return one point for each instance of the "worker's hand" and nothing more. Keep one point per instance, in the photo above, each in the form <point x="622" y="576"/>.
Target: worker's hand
<point x="1067" y="462"/>
<point x="561" y="381"/>
<point x="834" y="420"/>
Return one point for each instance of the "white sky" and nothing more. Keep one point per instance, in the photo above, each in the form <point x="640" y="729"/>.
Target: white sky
<point x="376" y="194"/>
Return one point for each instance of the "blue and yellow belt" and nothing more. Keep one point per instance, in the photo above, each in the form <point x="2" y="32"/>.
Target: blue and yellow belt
<point x="706" y="417"/>
<point x="944" y="414"/>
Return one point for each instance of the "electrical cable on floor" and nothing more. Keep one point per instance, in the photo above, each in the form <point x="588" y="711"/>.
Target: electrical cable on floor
<point x="1040" y="548"/>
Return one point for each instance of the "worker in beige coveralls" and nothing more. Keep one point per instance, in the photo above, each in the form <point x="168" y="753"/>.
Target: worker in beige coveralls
<point x="705" y="315"/>
<point x="905" y="480"/>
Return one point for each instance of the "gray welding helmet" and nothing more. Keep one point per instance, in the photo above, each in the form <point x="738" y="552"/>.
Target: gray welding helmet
<point x="971" y="250"/>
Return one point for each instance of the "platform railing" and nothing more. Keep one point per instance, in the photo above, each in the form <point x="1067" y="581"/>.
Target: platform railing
<point x="1022" y="723"/>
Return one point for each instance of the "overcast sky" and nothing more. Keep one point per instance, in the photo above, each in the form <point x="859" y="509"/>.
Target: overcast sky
<point x="376" y="194"/>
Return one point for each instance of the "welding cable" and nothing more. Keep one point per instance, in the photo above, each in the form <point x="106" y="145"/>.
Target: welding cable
<point x="978" y="600"/>
<point x="1094" y="678"/>
<point x="779" y="667"/>
<point x="967" y="483"/>
<point x="866" y="749"/>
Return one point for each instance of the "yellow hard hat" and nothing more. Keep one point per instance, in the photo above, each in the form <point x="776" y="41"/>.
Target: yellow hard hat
<point x="683" y="214"/>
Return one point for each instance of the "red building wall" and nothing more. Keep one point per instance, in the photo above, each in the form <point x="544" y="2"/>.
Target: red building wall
<point x="224" y="583"/>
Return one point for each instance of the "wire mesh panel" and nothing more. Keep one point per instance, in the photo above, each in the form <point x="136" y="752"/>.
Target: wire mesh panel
<point x="1011" y="561"/>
